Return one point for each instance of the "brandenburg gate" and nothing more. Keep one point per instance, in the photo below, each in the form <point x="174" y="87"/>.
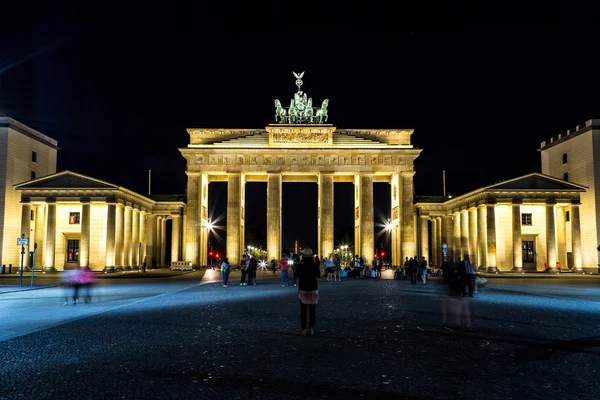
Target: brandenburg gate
<point x="300" y="147"/>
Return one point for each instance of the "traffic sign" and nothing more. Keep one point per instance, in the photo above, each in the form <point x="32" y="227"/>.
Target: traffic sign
<point x="22" y="241"/>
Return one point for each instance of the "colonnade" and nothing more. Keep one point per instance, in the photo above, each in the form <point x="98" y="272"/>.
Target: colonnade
<point x="132" y="234"/>
<point x="472" y="231"/>
<point x="198" y="225"/>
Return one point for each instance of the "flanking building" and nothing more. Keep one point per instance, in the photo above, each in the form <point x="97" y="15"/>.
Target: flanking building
<point x="574" y="156"/>
<point x="25" y="154"/>
<point x="529" y="223"/>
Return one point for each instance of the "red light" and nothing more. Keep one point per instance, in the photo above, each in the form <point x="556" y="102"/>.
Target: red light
<point x="382" y="253"/>
<point x="210" y="253"/>
<point x="218" y="256"/>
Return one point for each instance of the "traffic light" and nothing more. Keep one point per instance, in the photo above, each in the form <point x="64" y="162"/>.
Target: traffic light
<point x="210" y="253"/>
<point x="383" y="254"/>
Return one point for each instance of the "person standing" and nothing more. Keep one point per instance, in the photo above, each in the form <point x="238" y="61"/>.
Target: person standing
<point x="252" y="267"/>
<point x="379" y="267"/>
<point x="274" y="266"/>
<point x="295" y="264"/>
<point x="308" y="273"/>
<point x="244" y="268"/>
<point x="337" y="266"/>
<point x="467" y="276"/>
<point x="225" y="270"/>
<point x="283" y="267"/>
<point x="424" y="270"/>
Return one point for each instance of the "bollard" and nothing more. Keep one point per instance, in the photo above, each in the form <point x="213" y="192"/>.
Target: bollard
<point x="10" y="268"/>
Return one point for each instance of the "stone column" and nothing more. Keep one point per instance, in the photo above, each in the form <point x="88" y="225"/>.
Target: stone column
<point x="424" y="236"/>
<point x="326" y="214"/>
<point x="84" y="243"/>
<point x="40" y="234"/>
<point x="135" y="238"/>
<point x="50" y="236"/>
<point x="192" y="230"/>
<point x="464" y="234"/>
<point x="176" y="236"/>
<point x="111" y="220"/>
<point x="127" y="238"/>
<point x="396" y="189"/>
<point x="357" y="218"/>
<point x="119" y="236"/>
<point x="576" y="236"/>
<point x="516" y="235"/>
<point x="157" y="240"/>
<point x="204" y="220"/>
<point x="456" y="235"/>
<point x="408" y="215"/>
<point x="234" y="219"/>
<point x="367" y="220"/>
<point x="550" y="235"/>
<point x="491" y="237"/>
<point x="440" y="254"/>
<point x="150" y="240"/>
<point x="482" y="237"/>
<point x="561" y="236"/>
<point x="142" y="235"/>
<point x="163" y="242"/>
<point x="473" y="236"/>
<point x="273" y="216"/>
<point x="26" y="230"/>
<point x="447" y="228"/>
<point x="434" y="242"/>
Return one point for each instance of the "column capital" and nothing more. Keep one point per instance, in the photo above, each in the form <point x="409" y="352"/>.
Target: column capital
<point x="50" y="200"/>
<point x="25" y="200"/>
<point x="85" y="200"/>
<point x="576" y="202"/>
<point x="550" y="201"/>
<point x="407" y="174"/>
<point x="517" y="200"/>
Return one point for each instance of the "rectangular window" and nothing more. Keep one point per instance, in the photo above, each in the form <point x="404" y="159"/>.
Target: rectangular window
<point x="33" y="156"/>
<point x="528" y="253"/>
<point x="31" y="215"/>
<point x="566" y="176"/>
<point x="32" y="175"/>
<point x="526" y="219"/>
<point x="564" y="158"/>
<point x="73" y="250"/>
<point x="74" y="218"/>
<point x="567" y="216"/>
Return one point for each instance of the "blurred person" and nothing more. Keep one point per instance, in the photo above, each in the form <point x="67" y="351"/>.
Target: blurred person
<point x="295" y="263"/>
<point x="453" y="304"/>
<point x="87" y="279"/>
<point x="308" y="273"/>
<point x="252" y="267"/>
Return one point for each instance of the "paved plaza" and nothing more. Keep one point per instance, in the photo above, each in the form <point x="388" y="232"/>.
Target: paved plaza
<point x="183" y="336"/>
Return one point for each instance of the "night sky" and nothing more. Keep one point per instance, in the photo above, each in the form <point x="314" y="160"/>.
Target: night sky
<point x="118" y="86"/>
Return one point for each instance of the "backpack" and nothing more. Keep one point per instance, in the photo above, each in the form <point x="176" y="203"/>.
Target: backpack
<point x="225" y="267"/>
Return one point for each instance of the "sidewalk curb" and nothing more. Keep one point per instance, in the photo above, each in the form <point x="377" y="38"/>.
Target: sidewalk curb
<point x="23" y="289"/>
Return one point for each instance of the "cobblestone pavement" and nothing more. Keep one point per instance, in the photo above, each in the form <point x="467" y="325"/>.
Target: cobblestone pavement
<point x="374" y="339"/>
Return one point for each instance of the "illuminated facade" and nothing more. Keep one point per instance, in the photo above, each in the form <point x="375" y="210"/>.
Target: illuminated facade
<point x="530" y="223"/>
<point x="575" y="157"/>
<point x="24" y="154"/>
<point x="317" y="153"/>
<point x="77" y="220"/>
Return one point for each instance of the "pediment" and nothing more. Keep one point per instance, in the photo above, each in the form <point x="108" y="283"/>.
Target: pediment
<point x="537" y="182"/>
<point x="65" y="180"/>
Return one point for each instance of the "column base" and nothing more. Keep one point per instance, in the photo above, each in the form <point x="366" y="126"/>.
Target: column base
<point x="128" y="268"/>
<point x="118" y="269"/>
<point x="108" y="269"/>
<point x="492" y="270"/>
<point x="47" y="269"/>
<point x="517" y="269"/>
<point x="482" y="269"/>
